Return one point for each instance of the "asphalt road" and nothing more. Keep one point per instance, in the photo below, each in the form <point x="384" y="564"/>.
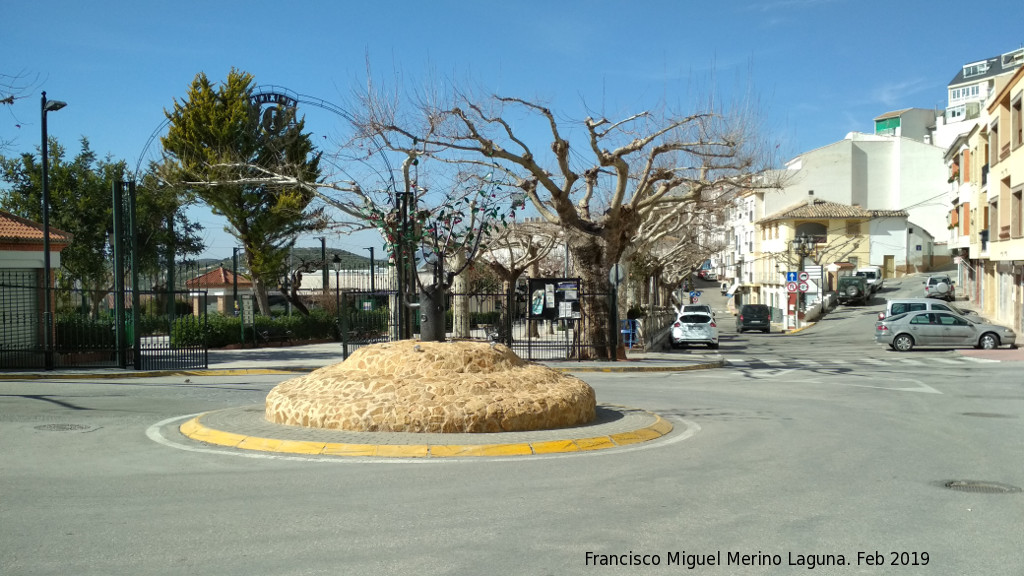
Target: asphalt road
<point x="798" y="451"/>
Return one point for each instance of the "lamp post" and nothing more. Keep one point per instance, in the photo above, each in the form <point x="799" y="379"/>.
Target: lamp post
<point x="804" y="245"/>
<point x="372" y="284"/>
<point x="337" y="304"/>
<point x="47" y="106"/>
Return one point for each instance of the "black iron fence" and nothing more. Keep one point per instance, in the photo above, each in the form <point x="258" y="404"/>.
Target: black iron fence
<point x="163" y="332"/>
<point x="368" y="317"/>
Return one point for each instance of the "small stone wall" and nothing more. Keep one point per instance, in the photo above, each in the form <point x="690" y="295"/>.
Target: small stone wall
<point x="411" y="386"/>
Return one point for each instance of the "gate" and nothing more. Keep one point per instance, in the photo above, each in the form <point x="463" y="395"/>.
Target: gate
<point x="161" y="326"/>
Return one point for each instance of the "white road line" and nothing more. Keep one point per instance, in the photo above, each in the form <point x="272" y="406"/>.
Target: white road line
<point x="979" y="360"/>
<point x="873" y="362"/>
<point x="947" y="361"/>
<point x="771" y="361"/>
<point x="736" y="362"/>
<point x="909" y="361"/>
<point x="810" y="363"/>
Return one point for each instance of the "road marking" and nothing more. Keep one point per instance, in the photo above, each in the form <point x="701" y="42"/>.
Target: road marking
<point x="947" y="361"/>
<point x="909" y="361"/>
<point x="811" y="363"/>
<point x="874" y="362"/>
<point x="979" y="360"/>
<point x="771" y="361"/>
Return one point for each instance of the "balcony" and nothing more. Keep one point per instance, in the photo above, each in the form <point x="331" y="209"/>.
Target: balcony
<point x="984" y="175"/>
<point x="983" y="234"/>
<point x="1004" y="151"/>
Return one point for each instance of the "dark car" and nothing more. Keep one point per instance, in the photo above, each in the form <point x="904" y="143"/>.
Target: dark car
<point x="754" y="317"/>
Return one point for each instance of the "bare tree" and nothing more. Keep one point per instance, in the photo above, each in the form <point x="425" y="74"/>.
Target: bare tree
<point x="14" y="87"/>
<point x="520" y="247"/>
<point x="638" y="175"/>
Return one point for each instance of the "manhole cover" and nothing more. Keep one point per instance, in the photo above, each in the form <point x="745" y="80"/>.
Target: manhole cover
<point x="980" y="487"/>
<point x="63" y="427"/>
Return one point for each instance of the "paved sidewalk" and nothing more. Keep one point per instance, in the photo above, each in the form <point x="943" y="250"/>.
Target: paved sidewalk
<point x="309" y="357"/>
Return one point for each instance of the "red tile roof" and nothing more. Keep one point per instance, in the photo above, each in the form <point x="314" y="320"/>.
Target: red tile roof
<point x="217" y="278"/>
<point x="18" y="230"/>
<point x="823" y="210"/>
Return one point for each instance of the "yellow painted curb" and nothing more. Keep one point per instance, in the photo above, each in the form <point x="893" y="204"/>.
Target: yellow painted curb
<point x="195" y="430"/>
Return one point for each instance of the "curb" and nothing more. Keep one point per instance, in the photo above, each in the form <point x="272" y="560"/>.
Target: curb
<point x="195" y="430"/>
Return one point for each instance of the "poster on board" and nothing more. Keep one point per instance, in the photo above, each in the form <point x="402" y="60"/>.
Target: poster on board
<point x="554" y="298"/>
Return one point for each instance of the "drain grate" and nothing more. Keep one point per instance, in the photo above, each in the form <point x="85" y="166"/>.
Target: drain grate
<point x="63" y="427"/>
<point x="980" y="487"/>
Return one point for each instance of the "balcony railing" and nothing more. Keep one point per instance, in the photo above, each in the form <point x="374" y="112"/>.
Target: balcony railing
<point x="1004" y="151"/>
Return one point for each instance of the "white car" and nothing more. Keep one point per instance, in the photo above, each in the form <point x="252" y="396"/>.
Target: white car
<point x="696" y="309"/>
<point x="694" y="328"/>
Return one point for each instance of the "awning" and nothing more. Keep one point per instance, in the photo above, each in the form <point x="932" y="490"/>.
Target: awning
<point x="732" y="289"/>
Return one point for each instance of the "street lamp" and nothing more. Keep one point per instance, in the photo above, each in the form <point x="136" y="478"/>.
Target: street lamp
<point x="372" y="285"/>
<point x="337" y="283"/>
<point x="47" y="106"/>
<point x="804" y="245"/>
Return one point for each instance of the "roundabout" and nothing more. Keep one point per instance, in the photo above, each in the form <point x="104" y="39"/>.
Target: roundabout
<point x="411" y="399"/>
<point x="245" y="428"/>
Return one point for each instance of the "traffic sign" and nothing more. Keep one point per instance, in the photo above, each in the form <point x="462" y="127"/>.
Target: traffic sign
<point x="791" y="286"/>
<point x="804" y="276"/>
<point x="803" y="286"/>
<point x="791" y="277"/>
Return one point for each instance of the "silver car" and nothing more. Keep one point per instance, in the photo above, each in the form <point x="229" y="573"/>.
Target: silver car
<point x="938" y="328"/>
<point x="694" y="328"/>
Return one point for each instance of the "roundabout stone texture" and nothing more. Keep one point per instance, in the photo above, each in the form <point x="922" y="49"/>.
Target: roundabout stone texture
<point x="433" y="387"/>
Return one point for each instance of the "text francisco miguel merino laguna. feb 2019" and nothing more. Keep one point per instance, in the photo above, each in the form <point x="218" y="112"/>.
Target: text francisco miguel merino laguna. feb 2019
<point x="719" y="558"/>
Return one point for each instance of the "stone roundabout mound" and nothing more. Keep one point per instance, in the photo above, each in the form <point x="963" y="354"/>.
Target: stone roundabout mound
<point x="411" y="386"/>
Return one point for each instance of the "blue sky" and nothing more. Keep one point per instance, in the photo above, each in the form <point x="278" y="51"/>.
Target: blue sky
<point x="818" y="69"/>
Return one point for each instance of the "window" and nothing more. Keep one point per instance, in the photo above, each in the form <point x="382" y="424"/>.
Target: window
<point x="950" y="320"/>
<point x="975" y="69"/>
<point x="911" y="307"/>
<point x="853" y="228"/>
<point x="993" y="144"/>
<point x="993" y="219"/>
<point x="1016" y="122"/>
<point x="922" y="319"/>
<point x="1016" y="213"/>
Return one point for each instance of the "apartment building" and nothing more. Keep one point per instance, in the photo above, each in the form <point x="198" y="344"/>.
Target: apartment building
<point x="1001" y="199"/>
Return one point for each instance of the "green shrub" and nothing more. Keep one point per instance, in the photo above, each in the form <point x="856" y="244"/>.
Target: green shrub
<point x="78" y="331"/>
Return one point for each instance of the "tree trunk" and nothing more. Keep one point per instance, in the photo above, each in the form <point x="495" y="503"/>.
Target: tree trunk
<point x="259" y="289"/>
<point x="432" y="317"/>
<point x="590" y="258"/>
<point x="460" y="300"/>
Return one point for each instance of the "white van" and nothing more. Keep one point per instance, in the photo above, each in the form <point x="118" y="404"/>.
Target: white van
<point x="904" y="305"/>
<point x="873" y="275"/>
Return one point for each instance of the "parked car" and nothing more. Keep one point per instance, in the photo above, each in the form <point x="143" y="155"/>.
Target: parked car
<point x="939" y="286"/>
<point x="694" y="328"/>
<point x="754" y="317"/>
<point x="853" y="290"/>
<point x="944" y="329"/>
<point x="896" y="306"/>
<point x="873" y="274"/>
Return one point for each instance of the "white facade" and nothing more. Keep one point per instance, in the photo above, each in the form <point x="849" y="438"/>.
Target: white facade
<point x="875" y="173"/>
